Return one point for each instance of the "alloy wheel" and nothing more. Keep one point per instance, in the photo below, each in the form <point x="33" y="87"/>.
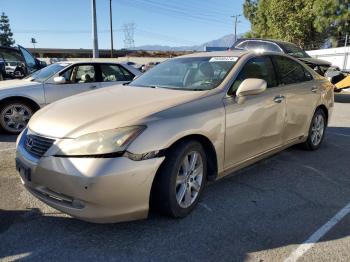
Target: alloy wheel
<point x="189" y="179"/>
<point x="317" y="130"/>
<point x="15" y="117"/>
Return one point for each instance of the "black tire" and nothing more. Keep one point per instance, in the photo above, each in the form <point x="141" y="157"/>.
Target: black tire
<point x="3" y="107"/>
<point x="164" y="192"/>
<point x="309" y="144"/>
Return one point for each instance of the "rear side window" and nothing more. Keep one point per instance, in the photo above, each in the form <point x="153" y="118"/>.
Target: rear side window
<point x="112" y="73"/>
<point x="290" y="71"/>
<point x="259" y="67"/>
<point x="128" y="76"/>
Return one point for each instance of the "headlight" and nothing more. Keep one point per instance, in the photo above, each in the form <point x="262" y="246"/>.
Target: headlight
<point x="100" y="143"/>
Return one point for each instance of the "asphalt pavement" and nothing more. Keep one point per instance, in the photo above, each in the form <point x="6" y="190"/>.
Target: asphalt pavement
<point x="264" y="212"/>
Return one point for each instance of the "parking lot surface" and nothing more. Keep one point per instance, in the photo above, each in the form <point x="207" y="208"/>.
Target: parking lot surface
<point x="262" y="213"/>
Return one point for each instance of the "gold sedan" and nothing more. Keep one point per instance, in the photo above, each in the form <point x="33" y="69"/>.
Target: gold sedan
<point x="107" y="155"/>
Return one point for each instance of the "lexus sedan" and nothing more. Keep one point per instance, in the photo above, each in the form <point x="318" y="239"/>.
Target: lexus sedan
<point x="110" y="154"/>
<point x="19" y="99"/>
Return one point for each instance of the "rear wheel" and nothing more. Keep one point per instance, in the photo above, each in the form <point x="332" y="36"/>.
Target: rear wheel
<point x="14" y="116"/>
<point x="316" y="131"/>
<point x="181" y="179"/>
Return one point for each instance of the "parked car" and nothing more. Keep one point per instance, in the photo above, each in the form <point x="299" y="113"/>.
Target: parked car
<point x="19" y="99"/>
<point x="148" y="66"/>
<point x="19" y="62"/>
<point x="106" y="155"/>
<point x="133" y="64"/>
<point x="320" y="66"/>
<point x="2" y="70"/>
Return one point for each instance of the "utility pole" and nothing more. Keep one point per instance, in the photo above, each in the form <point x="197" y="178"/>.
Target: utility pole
<point x="111" y="26"/>
<point x="95" y="53"/>
<point x="235" y="22"/>
<point x="345" y="53"/>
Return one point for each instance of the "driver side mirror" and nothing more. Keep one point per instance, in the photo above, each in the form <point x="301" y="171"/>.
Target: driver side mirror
<point x="249" y="87"/>
<point x="59" y="80"/>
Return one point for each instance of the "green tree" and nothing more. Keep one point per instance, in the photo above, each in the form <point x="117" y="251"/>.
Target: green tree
<point x="333" y="19"/>
<point x="5" y="31"/>
<point x="291" y="21"/>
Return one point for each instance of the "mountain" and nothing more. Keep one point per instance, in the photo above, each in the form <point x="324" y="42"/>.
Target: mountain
<point x="225" y="41"/>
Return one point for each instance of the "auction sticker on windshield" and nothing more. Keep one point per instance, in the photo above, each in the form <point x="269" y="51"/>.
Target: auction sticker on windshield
<point x="223" y="59"/>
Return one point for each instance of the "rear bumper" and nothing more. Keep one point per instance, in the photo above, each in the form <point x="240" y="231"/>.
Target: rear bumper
<point x="101" y="190"/>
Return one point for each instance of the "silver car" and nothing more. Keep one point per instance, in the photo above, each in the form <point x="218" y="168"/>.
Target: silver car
<point x="20" y="99"/>
<point x="107" y="155"/>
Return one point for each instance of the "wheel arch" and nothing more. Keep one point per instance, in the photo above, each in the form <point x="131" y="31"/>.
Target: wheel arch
<point x="34" y="105"/>
<point x="325" y="110"/>
<point x="212" y="161"/>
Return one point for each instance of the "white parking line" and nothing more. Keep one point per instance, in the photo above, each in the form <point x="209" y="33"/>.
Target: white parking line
<point x="312" y="240"/>
<point x="7" y="149"/>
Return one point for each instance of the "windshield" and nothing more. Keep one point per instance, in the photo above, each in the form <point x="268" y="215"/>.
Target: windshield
<point x="294" y="50"/>
<point x="193" y="73"/>
<point x="45" y="73"/>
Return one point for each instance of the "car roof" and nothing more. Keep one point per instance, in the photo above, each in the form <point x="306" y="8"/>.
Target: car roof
<point x="278" y="42"/>
<point x="9" y="48"/>
<point x="89" y="62"/>
<point x="236" y="53"/>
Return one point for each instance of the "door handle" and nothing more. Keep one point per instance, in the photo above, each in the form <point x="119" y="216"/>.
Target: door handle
<point x="92" y="87"/>
<point x="314" y="89"/>
<point x="278" y="99"/>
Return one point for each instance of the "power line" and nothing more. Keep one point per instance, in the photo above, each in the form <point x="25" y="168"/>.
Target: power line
<point x="129" y="30"/>
<point x="170" y="12"/>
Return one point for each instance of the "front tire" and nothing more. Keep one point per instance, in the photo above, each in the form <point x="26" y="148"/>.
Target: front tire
<point x="316" y="131"/>
<point x="181" y="179"/>
<point x="14" y="116"/>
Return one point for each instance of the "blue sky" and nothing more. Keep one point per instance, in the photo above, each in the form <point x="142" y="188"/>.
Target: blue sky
<point x="67" y="23"/>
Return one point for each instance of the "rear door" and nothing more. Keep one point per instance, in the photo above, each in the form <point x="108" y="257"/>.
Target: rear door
<point x="113" y="74"/>
<point x="257" y="125"/>
<point x="301" y="93"/>
<point x="79" y="78"/>
<point x="31" y="63"/>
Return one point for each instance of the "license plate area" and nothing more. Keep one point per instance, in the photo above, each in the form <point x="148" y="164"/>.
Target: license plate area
<point x="24" y="171"/>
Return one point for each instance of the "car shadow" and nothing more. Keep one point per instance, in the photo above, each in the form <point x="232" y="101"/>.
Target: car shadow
<point x="342" y="97"/>
<point x="7" y="138"/>
<point x="274" y="203"/>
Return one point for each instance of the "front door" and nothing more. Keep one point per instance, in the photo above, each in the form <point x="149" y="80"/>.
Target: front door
<point x="79" y="78"/>
<point x="257" y="125"/>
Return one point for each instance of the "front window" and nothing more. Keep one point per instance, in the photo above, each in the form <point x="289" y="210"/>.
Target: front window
<point x="193" y="73"/>
<point x="294" y="50"/>
<point x="47" y="72"/>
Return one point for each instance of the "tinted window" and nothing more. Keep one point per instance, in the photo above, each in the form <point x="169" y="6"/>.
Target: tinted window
<point x="290" y="71"/>
<point x="112" y="73"/>
<point x="259" y="67"/>
<point x="31" y="63"/>
<point x="128" y="76"/>
<point x="294" y="50"/>
<point x="11" y="56"/>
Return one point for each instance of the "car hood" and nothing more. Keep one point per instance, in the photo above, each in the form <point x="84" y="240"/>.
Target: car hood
<point x="103" y="109"/>
<point x="315" y="61"/>
<point x="10" y="84"/>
